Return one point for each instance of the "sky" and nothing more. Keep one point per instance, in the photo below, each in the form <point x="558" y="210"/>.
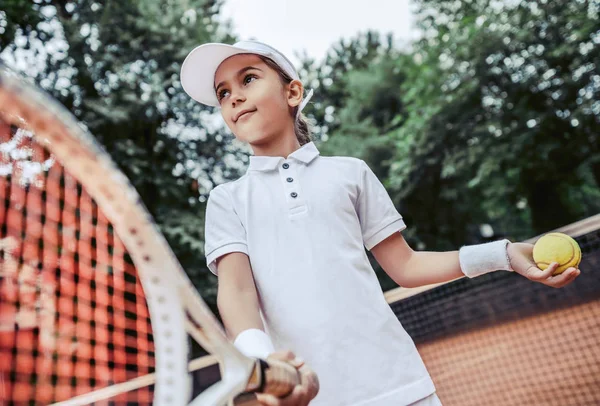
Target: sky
<point x="314" y="25"/>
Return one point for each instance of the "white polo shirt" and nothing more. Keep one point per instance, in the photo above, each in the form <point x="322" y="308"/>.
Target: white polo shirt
<point x="304" y="222"/>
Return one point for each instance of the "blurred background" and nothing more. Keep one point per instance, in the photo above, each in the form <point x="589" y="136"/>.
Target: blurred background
<point x="480" y="117"/>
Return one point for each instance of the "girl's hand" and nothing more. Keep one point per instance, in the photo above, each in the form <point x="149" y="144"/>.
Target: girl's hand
<point x="303" y="393"/>
<point x="521" y="261"/>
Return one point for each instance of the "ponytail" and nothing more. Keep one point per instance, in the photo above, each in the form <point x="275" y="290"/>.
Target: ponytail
<point x="302" y="129"/>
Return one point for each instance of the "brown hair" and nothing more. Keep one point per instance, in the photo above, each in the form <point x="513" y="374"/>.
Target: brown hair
<point x="301" y="124"/>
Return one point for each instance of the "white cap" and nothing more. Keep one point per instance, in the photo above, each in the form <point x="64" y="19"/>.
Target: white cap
<point x="200" y="66"/>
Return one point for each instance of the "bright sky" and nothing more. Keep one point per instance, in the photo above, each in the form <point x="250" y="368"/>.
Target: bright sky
<point x="314" y="25"/>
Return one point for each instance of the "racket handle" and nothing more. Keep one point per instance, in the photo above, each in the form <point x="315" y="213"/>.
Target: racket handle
<point x="277" y="378"/>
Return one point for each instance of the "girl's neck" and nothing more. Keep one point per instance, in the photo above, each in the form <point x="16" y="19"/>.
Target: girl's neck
<point x="282" y="145"/>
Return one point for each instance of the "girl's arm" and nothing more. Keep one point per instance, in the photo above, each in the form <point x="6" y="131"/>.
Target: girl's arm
<point x="237" y="299"/>
<point x="411" y="269"/>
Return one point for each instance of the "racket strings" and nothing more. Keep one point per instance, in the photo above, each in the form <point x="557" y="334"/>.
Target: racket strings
<point x="73" y="315"/>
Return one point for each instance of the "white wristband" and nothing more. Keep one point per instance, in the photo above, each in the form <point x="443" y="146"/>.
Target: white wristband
<point x="479" y="259"/>
<point x="254" y="343"/>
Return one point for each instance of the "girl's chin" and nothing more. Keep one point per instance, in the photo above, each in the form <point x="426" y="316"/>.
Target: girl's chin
<point x="255" y="139"/>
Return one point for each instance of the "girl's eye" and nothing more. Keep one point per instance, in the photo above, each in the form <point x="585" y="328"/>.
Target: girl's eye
<point x="222" y="94"/>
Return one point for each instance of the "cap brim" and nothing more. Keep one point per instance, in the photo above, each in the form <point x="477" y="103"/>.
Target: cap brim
<point x="199" y="68"/>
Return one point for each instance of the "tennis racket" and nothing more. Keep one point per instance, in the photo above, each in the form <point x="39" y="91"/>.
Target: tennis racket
<point x="94" y="306"/>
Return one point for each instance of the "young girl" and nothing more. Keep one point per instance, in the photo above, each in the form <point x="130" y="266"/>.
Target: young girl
<point x="288" y="242"/>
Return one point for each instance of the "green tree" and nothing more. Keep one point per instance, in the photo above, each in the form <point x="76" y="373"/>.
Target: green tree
<point x="357" y="97"/>
<point x="17" y="15"/>
<point x="502" y="103"/>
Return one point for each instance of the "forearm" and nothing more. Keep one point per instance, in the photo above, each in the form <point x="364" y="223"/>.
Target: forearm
<point x="426" y="268"/>
<point x="412" y="269"/>
<point x="241" y="317"/>
<point x="237" y="298"/>
<point x="239" y="311"/>
<point x="238" y="304"/>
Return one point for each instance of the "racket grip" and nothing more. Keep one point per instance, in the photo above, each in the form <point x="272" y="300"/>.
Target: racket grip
<point x="277" y="378"/>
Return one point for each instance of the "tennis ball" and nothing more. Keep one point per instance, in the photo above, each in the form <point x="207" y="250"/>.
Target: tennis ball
<point x="556" y="247"/>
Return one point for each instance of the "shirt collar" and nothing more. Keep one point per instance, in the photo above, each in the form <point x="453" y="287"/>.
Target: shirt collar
<point x="304" y="154"/>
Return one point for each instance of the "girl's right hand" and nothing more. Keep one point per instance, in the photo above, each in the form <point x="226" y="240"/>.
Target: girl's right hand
<point x="303" y="393"/>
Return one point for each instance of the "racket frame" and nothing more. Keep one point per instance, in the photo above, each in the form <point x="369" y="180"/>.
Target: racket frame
<point x="173" y="302"/>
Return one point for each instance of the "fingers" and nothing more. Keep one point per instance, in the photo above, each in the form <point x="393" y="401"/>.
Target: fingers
<point x="563" y="279"/>
<point x="301" y="394"/>
<point x="305" y="392"/>
<point x="287" y="356"/>
<point x="298" y="397"/>
<point x="297" y="362"/>
<point x="310" y="380"/>
<point x="267" y="400"/>
<point x="536" y="274"/>
<point x="548" y="278"/>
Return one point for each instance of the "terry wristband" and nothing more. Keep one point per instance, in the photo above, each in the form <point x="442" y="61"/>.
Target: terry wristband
<point x="476" y="260"/>
<point x="254" y="343"/>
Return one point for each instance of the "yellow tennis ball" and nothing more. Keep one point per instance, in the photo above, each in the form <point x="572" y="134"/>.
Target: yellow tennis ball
<point x="556" y="247"/>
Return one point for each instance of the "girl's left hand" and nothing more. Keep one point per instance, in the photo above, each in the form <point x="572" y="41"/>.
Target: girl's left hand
<point x="521" y="261"/>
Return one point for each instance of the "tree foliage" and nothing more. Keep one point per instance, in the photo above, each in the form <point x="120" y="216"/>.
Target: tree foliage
<point x="503" y="101"/>
<point x="488" y="118"/>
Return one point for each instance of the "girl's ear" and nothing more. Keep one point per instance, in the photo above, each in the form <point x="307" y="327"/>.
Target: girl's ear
<point x="295" y="93"/>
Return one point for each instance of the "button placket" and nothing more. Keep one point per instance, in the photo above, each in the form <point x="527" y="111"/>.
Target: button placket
<point x="294" y="197"/>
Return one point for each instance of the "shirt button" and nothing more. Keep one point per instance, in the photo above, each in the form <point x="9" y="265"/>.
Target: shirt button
<point x="290" y="180"/>
<point x="294" y="195"/>
<point x="285" y="165"/>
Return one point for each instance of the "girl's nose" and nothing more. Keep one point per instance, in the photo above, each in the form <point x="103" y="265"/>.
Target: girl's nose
<point x="237" y="97"/>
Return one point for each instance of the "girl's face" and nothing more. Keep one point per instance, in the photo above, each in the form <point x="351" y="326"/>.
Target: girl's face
<point x="255" y="104"/>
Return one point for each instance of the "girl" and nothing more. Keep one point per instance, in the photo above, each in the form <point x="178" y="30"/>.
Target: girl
<point x="288" y="240"/>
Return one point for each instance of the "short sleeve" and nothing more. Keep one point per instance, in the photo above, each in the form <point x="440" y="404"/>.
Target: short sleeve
<point x="376" y="212"/>
<point x="224" y="232"/>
